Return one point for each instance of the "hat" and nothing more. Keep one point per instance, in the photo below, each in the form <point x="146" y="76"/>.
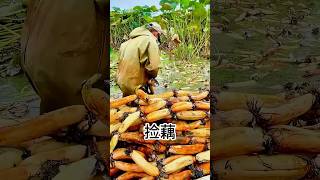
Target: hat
<point x="155" y="26"/>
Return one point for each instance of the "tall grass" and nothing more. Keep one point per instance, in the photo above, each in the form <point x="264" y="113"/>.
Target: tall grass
<point x="189" y="19"/>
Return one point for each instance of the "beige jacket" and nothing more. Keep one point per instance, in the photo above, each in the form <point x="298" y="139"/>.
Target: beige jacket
<point x="138" y="61"/>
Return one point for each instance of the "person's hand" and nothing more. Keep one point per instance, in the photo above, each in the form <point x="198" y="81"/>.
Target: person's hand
<point x="151" y="85"/>
<point x="153" y="82"/>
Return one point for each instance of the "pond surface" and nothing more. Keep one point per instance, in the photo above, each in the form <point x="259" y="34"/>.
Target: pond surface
<point x="17" y="98"/>
<point x="173" y="74"/>
<point x="17" y="91"/>
<point x="247" y="38"/>
<point x="270" y="42"/>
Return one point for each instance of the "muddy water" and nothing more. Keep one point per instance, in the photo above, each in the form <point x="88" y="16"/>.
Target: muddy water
<point x="271" y="42"/>
<point x="17" y="98"/>
<point x="173" y="74"/>
<point x="239" y="45"/>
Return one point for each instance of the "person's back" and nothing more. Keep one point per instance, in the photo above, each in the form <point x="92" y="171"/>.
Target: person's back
<point x="139" y="60"/>
<point x="63" y="44"/>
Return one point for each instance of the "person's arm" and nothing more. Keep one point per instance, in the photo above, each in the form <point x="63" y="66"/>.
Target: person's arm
<point x="153" y="62"/>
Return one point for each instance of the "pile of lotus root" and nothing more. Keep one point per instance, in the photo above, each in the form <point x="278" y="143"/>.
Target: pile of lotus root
<point x="266" y="136"/>
<point x="186" y="157"/>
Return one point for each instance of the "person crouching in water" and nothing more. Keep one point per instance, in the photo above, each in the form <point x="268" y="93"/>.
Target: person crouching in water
<point x="139" y="58"/>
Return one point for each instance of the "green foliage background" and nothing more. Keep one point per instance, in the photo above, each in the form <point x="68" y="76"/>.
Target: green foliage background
<point x="190" y="19"/>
